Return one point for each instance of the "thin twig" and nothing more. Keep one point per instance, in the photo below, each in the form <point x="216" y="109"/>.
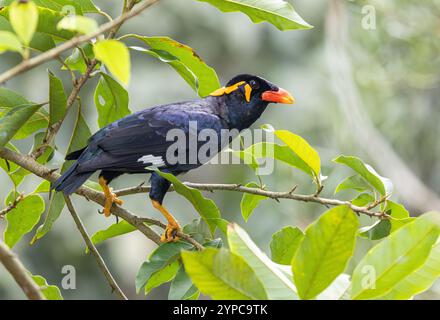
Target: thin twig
<point x="111" y="281"/>
<point x="14" y="266"/>
<point x="51" y="54"/>
<point x="12" y="205"/>
<point x="266" y="193"/>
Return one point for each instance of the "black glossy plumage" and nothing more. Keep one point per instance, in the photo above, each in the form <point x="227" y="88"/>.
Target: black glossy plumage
<point x="118" y="147"/>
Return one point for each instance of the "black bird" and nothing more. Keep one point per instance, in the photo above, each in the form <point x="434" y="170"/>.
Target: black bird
<point x="139" y="141"/>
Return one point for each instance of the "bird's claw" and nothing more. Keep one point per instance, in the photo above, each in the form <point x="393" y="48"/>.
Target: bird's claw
<point x="109" y="202"/>
<point x="170" y="233"/>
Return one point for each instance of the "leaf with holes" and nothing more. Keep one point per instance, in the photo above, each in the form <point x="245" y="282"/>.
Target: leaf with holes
<point x="111" y="100"/>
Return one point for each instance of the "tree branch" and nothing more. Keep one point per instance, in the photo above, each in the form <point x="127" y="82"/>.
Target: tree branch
<point x="53" y="53"/>
<point x="111" y="281"/>
<point x="14" y="266"/>
<point x="28" y="163"/>
<point x="31" y="165"/>
<point x="12" y="205"/>
<point x="270" y="194"/>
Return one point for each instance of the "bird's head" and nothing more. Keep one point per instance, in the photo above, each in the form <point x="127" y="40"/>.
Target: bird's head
<point x="247" y="96"/>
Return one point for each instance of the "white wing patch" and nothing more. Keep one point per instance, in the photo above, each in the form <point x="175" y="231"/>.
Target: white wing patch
<point x="153" y="160"/>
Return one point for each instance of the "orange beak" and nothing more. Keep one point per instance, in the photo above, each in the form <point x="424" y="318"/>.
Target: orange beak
<point x="280" y="96"/>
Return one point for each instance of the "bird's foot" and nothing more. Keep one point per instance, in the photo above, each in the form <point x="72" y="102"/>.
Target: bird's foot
<point x="109" y="200"/>
<point x="170" y="233"/>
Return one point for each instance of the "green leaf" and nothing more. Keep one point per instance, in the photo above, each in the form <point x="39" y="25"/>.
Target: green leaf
<point x="164" y="255"/>
<point x="115" y="230"/>
<point x="38" y="120"/>
<point x="275" y="282"/>
<point x="80" y="6"/>
<point x="57" y="99"/>
<point x="12" y="120"/>
<point x="223" y="275"/>
<point x="56" y="205"/>
<point x="182" y="288"/>
<point x="76" y="60"/>
<point x="307" y="158"/>
<point x="380" y="229"/>
<point x="111" y="100"/>
<point x="115" y="55"/>
<point x="399" y="215"/>
<point x="279" y="13"/>
<point x="78" y="24"/>
<point x="198" y="230"/>
<point x="250" y="201"/>
<point x="78" y="140"/>
<point x="47" y="24"/>
<point x="363" y="199"/>
<point x="23" y="218"/>
<point x="355" y="182"/>
<point x="418" y="281"/>
<point x="9" y="42"/>
<point x="383" y="185"/>
<point x="24" y="19"/>
<point x="201" y="77"/>
<point x="394" y="258"/>
<point x="284" y="244"/>
<point x="279" y="152"/>
<point x="162" y="276"/>
<point x="377" y="230"/>
<point x="205" y="207"/>
<point x="43" y="187"/>
<point x="325" y="250"/>
<point x="50" y="292"/>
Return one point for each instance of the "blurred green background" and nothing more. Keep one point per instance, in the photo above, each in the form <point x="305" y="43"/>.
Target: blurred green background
<point x="370" y="92"/>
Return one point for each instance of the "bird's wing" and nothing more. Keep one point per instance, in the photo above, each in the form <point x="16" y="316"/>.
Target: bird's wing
<point x="140" y="140"/>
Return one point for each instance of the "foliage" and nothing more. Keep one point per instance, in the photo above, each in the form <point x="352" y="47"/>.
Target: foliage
<point x="303" y="265"/>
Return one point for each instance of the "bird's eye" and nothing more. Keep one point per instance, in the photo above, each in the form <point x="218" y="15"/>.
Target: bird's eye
<point x="254" y="84"/>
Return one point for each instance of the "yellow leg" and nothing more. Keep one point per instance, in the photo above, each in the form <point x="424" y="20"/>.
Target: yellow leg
<point x="110" y="197"/>
<point x="173" y="226"/>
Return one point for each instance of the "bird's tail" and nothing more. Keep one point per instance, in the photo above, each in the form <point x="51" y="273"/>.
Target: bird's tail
<point x="71" y="180"/>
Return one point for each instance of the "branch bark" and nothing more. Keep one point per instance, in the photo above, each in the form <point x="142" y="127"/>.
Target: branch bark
<point x="31" y="165"/>
<point x="110" y="279"/>
<point x="55" y="52"/>
<point x="270" y="194"/>
<point x="14" y="266"/>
